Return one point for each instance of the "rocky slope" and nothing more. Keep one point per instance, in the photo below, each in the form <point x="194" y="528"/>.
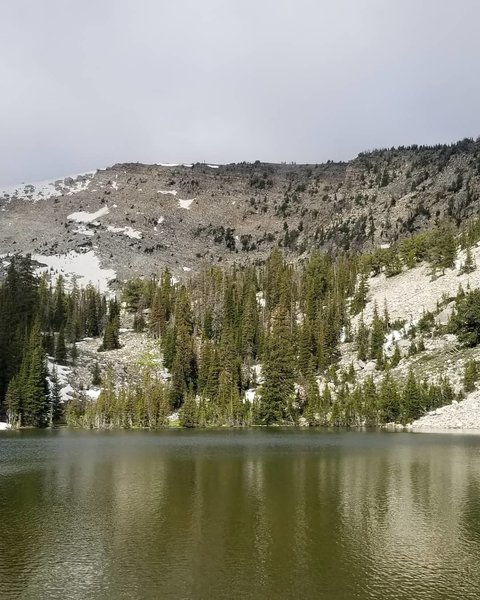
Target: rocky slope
<point x="462" y="416"/>
<point x="135" y="219"/>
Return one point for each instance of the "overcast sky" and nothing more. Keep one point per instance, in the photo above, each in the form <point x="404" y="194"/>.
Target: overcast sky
<point x="87" y="83"/>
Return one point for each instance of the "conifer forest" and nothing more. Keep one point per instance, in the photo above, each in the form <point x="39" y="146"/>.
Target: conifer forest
<point x="242" y="345"/>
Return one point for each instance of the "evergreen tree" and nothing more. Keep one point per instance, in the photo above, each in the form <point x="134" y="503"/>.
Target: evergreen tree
<point x="74" y="353"/>
<point x="389" y="400"/>
<point x="470" y="376"/>
<point x="56" y="409"/>
<point x="60" y="348"/>
<point x="377" y="336"/>
<point x="278" y="387"/>
<point x="396" y="356"/>
<point x="96" y="376"/>
<point x="312" y="411"/>
<point x="359" y="300"/>
<point x="362" y="340"/>
<point x="469" y="265"/>
<point x="412" y="400"/>
<point x="188" y="412"/>
<point x="13" y="403"/>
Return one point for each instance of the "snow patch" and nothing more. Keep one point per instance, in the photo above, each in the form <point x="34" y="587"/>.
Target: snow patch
<point x="85" y="267"/>
<point x="132" y="233"/>
<point x="128" y="231"/>
<point x="66" y="390"/>
<point x="92" y="394"/>
<point x="261" y="299"/>
<point x="85" y="217"/>
<point x="167" y="192"/>
<point x="213" y="166"/>
<point x="42" y="190"/>
<point x="186" y="269"/>
<point x="82" y="230"/>
<point x="185" y="203"/>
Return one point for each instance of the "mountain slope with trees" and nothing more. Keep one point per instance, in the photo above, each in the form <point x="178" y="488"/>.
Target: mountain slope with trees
<point x="139" y="219"/>
<point x="303" y="342"/>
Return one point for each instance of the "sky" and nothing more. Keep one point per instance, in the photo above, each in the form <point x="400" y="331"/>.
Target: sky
<point x="89" y="83"/>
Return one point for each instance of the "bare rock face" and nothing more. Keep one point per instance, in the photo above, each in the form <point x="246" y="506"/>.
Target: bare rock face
<point x="138" y="219"/>
<point x="464" y="415"/>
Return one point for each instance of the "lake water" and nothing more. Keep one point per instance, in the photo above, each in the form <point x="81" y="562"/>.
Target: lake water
<point x="257" y="514"/>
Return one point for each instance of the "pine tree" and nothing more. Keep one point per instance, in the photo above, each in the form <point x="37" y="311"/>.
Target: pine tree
<point x="359" y="300"/>
<point x="96" y="376"/>
<point x="278" y="387"/>
<point x="412" y="400"/>
<point x="370" y="400"/>
<point x="362" y="340"/>
<point x="74" y="353"/>
<point x="389" y="400"/>
<point x="13" y="403"/>
<point x="469" y="265"/>
<point x="34" y="388"/>
<point x="60" y="348"/>
<point x="188" y="413"/>
<point x="56" y="409"/>
<point x="377" y="336"/>
<point x="312" y="401"/>
<point x="470" y="376"/>
<point x="396" y="356"/>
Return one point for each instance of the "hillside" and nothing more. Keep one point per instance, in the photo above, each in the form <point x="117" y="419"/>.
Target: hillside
<point x="135" y="219"/>
<point x="345" y="312"/>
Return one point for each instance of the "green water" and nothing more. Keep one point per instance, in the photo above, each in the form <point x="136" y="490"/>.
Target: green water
<point x="239" y="514"/>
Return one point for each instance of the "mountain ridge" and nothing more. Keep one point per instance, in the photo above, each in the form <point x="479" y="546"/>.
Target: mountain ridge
<point x="178" y="216"/>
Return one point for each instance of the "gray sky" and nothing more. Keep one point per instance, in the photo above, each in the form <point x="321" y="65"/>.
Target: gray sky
<point x="87" y="83"/>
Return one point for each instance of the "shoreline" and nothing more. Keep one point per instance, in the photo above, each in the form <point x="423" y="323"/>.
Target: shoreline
<point x="388" y="428"/>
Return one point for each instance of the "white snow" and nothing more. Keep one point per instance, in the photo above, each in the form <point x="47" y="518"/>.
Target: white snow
<point x="128" y="231"/>
<point x="166" y="192"/>
<point x="86" y="267"/>
<point x="168" y="164"/>
<point x="66" y="390"/>
<point x="114" y="185"/>
<point x="186" y="269"/>
<point x="4" y="426"/>
<point x="132" y="233"/>
<point x="260" y="299"/>
<point x="160" y="220"/>
<point x="257" y="370"/>
<point x="213" y="166"/>
<point x="42" y="190"/>
<point x="185" y="203"/>
<point x="84" y="231"/>
<point x="85" y="217"/>
<point x="92" y="394"/>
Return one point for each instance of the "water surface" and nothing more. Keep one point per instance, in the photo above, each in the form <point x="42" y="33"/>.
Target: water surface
<point x="258" y="514"/>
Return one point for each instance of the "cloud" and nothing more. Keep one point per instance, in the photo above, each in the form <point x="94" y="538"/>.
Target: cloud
<point x="87" y="84"/>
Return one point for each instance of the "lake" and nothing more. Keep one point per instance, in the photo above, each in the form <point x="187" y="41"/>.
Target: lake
<point x="256" y="514"/>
